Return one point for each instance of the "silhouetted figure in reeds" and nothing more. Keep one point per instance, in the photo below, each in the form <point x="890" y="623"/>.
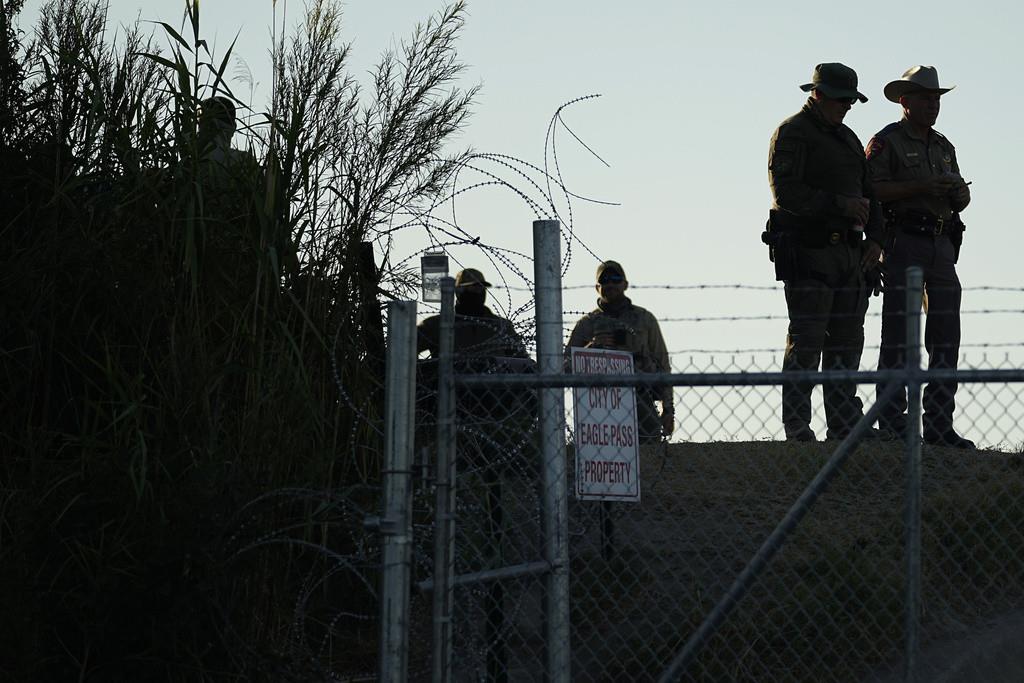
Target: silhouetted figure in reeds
<point x="217" y="125"/>
<point x="232" y="192"/>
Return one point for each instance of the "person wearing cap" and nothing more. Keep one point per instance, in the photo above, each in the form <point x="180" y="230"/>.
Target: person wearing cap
<point x="825" y="230"/>
<point x="483" y="342"/>
<point x="479" y="332"/>
<point x="917" y="178"/>
<point x="617" y="323"/>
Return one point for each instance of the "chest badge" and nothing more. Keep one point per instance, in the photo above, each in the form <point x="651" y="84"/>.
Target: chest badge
<point x="947" y="159"/>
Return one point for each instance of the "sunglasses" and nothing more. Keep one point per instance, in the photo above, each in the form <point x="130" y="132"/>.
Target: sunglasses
<point x="845" y="100"/>
<point x="610" y="280"/>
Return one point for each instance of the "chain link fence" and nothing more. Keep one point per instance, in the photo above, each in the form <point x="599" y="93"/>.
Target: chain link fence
<point x="742" y="556"/>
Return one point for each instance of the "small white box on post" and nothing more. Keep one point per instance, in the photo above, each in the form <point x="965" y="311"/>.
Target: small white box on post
<point x="433" y="267"/>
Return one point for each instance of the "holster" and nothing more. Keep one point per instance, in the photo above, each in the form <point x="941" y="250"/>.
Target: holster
<point x="781" y="251"/>
<point x="956" y="236"/>
<point x="889" y="229"/>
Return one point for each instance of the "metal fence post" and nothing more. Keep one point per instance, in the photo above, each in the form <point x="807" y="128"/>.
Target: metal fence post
<point x="396" y="522"/>
<point x="912" y="443"/>
<point x="444" y="543"/>
<point x="548" y="279"/>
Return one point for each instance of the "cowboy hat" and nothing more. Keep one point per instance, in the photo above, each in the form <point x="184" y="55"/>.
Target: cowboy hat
<point x="915" y="79"/>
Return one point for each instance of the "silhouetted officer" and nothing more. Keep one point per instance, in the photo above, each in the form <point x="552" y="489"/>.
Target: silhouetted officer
<point x="483" y="343"/>
<point x="822" y="210"/>
<point x="917" y="178"/>
<point x="479" y="332"/>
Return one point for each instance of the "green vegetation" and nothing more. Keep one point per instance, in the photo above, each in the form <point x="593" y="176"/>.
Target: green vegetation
<point x="191" y="347"/>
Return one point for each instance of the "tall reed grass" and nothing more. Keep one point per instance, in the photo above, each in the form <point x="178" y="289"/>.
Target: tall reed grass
<point x="191" y="350"/>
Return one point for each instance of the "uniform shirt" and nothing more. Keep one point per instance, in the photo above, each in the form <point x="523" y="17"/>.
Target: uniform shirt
<point x="811" y="163"/>
<point x="479" y="333"/>
<point x="642" y="338"/>
<point x="898" y="153"/>
<point x="480" y="338"/>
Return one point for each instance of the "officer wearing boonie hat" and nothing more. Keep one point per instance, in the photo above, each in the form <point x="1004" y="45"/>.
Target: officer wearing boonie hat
<point x="824" y="234"/>
<point x="916" y="176"/>
<point x="836" y="81"/>
<point x="617" y="323"/>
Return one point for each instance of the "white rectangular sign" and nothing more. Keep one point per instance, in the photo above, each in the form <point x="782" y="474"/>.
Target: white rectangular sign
<point x="607" y="440"/>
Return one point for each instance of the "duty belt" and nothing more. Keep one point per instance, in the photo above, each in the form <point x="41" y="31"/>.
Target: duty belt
<point x="920" y="223"/>
<point x="817" y="238"/>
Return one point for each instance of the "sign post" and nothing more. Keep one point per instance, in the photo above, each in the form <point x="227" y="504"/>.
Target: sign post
<point x="607" y="439"/>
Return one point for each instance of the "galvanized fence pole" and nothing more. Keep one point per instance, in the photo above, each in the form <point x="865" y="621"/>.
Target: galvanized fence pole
<point x="444" y="541"/>
<point x="548" y="281"/>
<point x="912" y="443"/>
<point x="396" y="522"/>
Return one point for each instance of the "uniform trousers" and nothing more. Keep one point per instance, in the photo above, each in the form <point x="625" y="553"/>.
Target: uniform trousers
<point x="936" y="257"/>
<point x="648" y="419"/>
<point x="826" y="303"/>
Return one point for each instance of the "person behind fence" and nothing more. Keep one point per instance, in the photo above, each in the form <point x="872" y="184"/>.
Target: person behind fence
<point x="617" y="323"/>
<point x="916" y="176"/>
<point x="498" y="424"/>
<point x="479" y="332"/>
<point x="483" y="342"/>
<point x="824" y="235"/>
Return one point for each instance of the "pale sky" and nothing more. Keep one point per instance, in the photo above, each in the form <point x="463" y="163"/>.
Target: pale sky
<point x="691" y="95"/>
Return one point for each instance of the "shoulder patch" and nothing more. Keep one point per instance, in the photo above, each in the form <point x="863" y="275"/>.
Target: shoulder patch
<point x="895" y="125"/>
<point x="877" y="144"/>
<point x="875" y="147"/>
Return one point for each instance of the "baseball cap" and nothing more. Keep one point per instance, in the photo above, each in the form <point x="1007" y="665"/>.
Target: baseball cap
<point x="470" y="276"/>
<point x="610" y="266"/>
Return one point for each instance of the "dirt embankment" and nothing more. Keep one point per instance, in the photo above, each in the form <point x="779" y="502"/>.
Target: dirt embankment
<point x="832" y="599"/>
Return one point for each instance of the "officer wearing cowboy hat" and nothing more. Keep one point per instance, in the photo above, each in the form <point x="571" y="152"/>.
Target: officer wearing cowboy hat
<point x="825" y="231"/>
<point x="917" y="178"/>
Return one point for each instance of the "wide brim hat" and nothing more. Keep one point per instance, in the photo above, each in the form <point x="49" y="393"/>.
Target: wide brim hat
<point x="835" y="81"/>
<point x="470" y="276"/>
<point x="915" y="79"/>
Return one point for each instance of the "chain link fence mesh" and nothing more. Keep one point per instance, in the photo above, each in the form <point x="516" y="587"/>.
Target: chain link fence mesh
<point x="644" y="576"/>
<point x="830" y="606"/>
